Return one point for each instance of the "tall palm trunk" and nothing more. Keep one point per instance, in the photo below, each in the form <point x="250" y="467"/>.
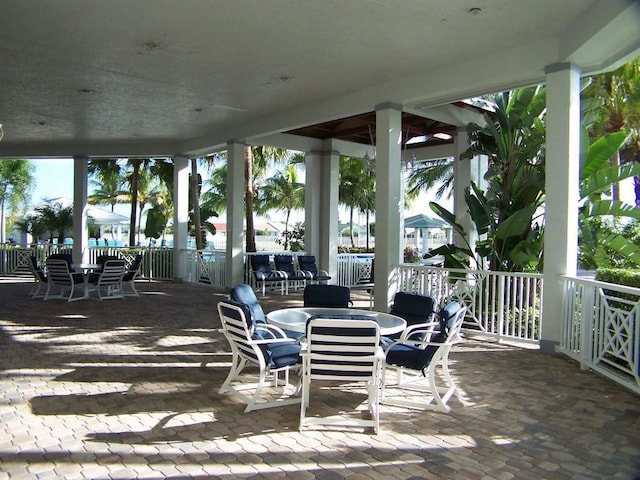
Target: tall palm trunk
<point x="195" y="195"/>
<point x="250" y="245"/>
<point x="2" y="214"/>
<point x="134" y="201"/>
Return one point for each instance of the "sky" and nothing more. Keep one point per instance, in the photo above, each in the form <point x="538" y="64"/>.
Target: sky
<point x="54" y="178"/>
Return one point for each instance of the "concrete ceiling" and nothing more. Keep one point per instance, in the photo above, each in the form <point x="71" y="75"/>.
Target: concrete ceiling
<point x="133" y="77"/>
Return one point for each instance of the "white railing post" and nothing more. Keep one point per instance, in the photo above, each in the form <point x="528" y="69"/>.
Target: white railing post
<point x="587" y="331"/>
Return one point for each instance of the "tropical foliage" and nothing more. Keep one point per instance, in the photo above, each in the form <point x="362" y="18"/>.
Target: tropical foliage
<point x="505" y="215"/>
<point x="283" y="192"/>
<point x="16" y="183"/>
<point x="357" y="191"/>
<point x="56" y="218"/>
<point x="601" y="244"/>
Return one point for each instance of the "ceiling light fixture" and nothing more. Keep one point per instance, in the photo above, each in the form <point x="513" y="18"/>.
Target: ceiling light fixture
<point x="150" y="45"/>
<point x="474" y="11"/>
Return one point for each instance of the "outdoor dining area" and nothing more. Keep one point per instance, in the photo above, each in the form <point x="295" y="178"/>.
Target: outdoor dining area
<point x="60" y="278"/>
<point x="110" y="393"/>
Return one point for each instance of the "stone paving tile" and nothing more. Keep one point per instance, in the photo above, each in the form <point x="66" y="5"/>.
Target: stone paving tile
<point x="129" y="389"/>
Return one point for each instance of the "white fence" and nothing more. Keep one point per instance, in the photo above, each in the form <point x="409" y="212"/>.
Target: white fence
<point x="504" y="305"/>
<point x="157" y="263"/>
<point x="601" y="328"/>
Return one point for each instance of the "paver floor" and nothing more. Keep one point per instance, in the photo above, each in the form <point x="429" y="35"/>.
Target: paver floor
<point x="126" y="389"/>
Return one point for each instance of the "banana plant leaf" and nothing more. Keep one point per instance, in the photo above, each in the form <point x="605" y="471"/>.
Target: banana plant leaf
<point x="477" y="204"/>
<point x="601" y="151"/>
<point x="601" y="180"/>
<point x="617" y="208"/>
<point x="447" y="216"/>
<point x="623" y="246"/>
<point x="156" y="223"/>
<point x="517" y="223"/>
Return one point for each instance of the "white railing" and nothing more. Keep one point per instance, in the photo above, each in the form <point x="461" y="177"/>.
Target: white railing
<point x="503" y="305"/>
<point x="355" y="268"/>
<point x="207" y="266"/>
<point x="601" y="328"/>
<point x="157" y="263"/>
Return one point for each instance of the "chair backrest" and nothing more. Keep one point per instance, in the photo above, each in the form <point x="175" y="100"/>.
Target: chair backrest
<point x="332" y="296"/>
<point x="58" y="271"/>
<point x="62" y="256"/>
<point x="112" y="272"/>
<point x="100" y="259"/>
<point x="413" y="307"/>
<point x="237" y="327"/>
<point x="244" y="294"/>
<point x="450" y="317"/>
<point x="36" y="270"/>
<point x="308" y="263"/>
<point x="284" y="263"/>
<point x="342" y="350"/>
<point x="135" y="265"/>
<point x="260" y="264"/>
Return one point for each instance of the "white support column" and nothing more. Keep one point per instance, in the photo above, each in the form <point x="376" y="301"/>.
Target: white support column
<point x="328" y="206"/>
<point x="461" y="181"/>
<point x="561" y="193"/>
<point x="312" y="202"/>
<point x="235" y="214"/>
<point x="389" y="205"/>
<point x="80" y="228"/>
<point x="180" y="216"/>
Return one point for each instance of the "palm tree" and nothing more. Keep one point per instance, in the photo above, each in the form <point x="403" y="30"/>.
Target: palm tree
<point x="33" y="225"/>
<point x="16" y="181"/>
<point x="58" y="219"/>
<point x="107" y="183"/>
<point x="257" y="160"/>
<point x="356" y="190"/>
<point x="616" y="98"/>
<point x="215" y="196"/>
<point x="283" y="192"/>
<point x="429" y="174"/>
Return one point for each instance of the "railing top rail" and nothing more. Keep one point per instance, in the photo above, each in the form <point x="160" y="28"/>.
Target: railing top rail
<point x="473" y="272"/>
<point x="600" y="284"/>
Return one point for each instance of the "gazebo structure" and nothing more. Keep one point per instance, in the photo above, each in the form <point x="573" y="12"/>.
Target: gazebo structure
<point x="185" y="79"/>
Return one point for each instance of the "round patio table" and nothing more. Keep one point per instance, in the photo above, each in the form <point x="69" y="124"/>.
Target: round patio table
<point x="295" y="319"/>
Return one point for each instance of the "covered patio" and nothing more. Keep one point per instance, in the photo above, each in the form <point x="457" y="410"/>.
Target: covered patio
<point x="130" y="391"/>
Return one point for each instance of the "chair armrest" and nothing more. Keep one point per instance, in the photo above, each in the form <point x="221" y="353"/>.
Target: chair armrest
<point x="274" y="341"/>
<point x="418" y="329"/>
<point x="273" y="330"/>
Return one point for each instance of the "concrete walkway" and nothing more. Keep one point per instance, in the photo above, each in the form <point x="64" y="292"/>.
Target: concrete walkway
<point x="128" y="389"/>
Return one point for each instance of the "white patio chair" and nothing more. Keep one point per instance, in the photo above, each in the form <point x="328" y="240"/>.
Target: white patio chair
<point x="108" y="284"/>
<point x="129" y="278"/>
<point x="258" y="345"/>
<point x="61" y="279"/>
<point x="342" y="351"/>
<point x="414" y="359"/>
<point x="39" y="277"/>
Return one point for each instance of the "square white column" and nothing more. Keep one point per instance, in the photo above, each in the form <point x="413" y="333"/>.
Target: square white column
<point x="80" y="250"/>
<point x="561" y="193"/>
<point x="235" y="214"/>
<point x="389" y="203"/>
<point x="180" y="215"/>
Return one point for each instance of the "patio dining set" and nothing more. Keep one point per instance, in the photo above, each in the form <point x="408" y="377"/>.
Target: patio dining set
<point x="400" y="358"/>
<point x="60" y="278"/>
